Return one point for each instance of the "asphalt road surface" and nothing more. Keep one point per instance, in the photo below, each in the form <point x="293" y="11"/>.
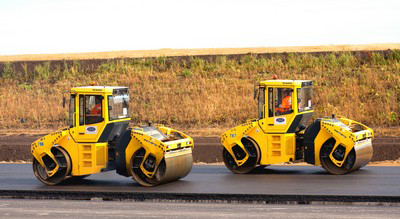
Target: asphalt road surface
<point x="217" y="179"/>
<point x="60" y="209"/>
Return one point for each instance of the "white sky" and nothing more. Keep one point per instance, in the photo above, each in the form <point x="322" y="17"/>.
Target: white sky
<point x="64" y="26"/>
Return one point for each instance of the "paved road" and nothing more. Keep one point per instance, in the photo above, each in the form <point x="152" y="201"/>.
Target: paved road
<point x="216" y="179"/>
<point x="60" y="209"/>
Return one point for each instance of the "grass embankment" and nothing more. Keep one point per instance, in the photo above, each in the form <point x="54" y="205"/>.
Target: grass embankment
<point x="205" y="96"/>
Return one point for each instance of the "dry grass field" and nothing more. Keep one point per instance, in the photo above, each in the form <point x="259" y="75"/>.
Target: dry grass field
<point x="205" y="97"/>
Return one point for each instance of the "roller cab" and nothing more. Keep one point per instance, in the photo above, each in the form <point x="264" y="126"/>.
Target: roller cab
<point x="283" y="133"/>
<point x="99" y="139"/>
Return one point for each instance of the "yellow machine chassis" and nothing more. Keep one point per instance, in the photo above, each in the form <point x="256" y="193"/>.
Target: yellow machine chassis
<point x="275" y="144"/>
<point x="82" y="154"/>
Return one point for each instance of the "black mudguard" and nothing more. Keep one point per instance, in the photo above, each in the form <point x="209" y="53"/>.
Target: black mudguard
<point x="121" y="145"/>
<point x="309" y="141"/>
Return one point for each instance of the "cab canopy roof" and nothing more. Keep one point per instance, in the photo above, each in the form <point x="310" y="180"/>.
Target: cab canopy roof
<point x="97" y="89"/>
<point x="301" y="83"/>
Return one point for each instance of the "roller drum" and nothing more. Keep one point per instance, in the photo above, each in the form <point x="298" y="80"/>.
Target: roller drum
<point x="359" y="156"/>
<point x="176" y="167"/>
<point x="254" y="158"/>
<point x="364" y="152"/>
<point x="64" y="168"/>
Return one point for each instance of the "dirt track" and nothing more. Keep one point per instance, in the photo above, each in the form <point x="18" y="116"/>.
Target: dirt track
<point x="207" y="149"/>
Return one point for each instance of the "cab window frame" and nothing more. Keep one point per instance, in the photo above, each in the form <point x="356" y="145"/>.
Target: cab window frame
<point x="275" y="94"/>
<point x="271" y="108"/>
<point x="261" y="102"/>
<point x="72" y="111"/>
<point x="83" y="112"/>
<point x="111" y="109"/>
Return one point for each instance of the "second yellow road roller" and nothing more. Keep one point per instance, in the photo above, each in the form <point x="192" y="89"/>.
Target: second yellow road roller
<point x="99" y="139"/>
<point x="282" y="133"/>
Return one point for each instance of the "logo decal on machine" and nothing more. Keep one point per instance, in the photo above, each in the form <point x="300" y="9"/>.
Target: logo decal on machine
<point x="280" y="121"/>
<point x="91" y="130"/>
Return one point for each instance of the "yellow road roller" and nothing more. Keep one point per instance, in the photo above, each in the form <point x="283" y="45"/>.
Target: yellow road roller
<point x="282" y="133"/>
<point x="99" y="139"/>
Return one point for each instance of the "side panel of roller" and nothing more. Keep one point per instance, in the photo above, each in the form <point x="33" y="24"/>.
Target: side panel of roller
<point x="320" y="139"/>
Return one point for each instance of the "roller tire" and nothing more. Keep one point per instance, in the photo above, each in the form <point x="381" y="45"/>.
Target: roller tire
<point x="64" y="163"/>
<point x="138" y="175"/>
<point x="328" y="164"/>
<point x="249" y="165"/>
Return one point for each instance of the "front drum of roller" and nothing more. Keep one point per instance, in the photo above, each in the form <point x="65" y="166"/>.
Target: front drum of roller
<point x="359" y="156"/>
<point x="364" y="152"/>
<point x="174" y="166"/>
